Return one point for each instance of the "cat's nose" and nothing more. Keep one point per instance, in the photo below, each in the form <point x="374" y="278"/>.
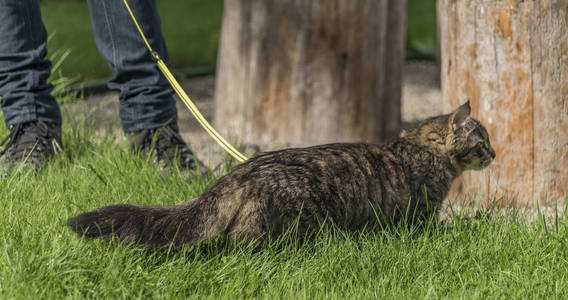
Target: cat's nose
<point x="492" y="153"/>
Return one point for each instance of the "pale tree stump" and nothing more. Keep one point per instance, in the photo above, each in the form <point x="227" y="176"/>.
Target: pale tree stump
<point x="510" y="58"/>
<point x="307" y="72"/>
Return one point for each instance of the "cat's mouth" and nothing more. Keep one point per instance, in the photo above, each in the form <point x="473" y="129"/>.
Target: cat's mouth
<point x="480" y="164"/>
<point x="486" y="162"/>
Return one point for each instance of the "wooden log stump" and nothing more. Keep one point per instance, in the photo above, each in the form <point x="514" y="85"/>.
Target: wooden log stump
<point x="510" y="58"/>
<point x="307" y="72"/>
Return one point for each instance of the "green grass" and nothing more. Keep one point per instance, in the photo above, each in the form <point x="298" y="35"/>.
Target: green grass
<point x="191" y="29"/>
<point x="421" y="35"/>
<point x="485" y="257"/>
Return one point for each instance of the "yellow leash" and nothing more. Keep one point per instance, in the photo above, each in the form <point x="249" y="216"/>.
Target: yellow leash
<point x="185" y="99"/>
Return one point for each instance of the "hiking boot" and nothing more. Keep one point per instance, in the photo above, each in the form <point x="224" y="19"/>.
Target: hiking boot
<point x="31" y="143"/>
<point x="166" y="146"/>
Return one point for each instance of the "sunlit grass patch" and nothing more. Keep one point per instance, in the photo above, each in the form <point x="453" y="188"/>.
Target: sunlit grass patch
<point x="473" y="256"/>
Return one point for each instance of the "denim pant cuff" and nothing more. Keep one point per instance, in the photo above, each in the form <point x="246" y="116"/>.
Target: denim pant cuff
<point x="29" y="111"/>
<point x="147" y="114"/>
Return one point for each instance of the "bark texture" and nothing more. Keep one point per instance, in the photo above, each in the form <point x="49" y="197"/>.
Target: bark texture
<point x="510" y="58"/>
<point x="304" y="72"/>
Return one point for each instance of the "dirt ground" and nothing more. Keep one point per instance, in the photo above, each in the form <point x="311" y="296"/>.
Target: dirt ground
<point x="420" y="98"/>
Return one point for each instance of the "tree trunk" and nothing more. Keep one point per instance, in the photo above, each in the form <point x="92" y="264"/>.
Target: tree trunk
<point x="302" y="72"/>
<point x="510" y="58"/>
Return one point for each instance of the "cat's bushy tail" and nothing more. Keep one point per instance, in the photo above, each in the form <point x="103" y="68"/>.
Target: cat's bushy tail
<point x="154" y="226"/>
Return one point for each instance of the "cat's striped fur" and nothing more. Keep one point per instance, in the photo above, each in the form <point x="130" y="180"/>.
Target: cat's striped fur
<point x="352" y="186"/>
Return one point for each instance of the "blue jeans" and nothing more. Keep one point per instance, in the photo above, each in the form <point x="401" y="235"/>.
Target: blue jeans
<point x="145" y="97"/>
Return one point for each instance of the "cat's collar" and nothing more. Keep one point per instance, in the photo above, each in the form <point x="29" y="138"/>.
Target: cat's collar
<point x="392" y="164"/>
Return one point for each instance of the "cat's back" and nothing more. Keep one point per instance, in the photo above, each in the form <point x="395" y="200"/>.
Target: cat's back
<point x="317" y="171"/>
<point x="329" y="159"/>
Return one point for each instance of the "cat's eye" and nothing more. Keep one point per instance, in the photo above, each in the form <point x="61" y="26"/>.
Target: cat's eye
<point x="481" y="148"/>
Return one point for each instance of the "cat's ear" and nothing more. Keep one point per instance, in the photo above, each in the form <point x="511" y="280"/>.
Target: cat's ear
<point x="460" y="115"/>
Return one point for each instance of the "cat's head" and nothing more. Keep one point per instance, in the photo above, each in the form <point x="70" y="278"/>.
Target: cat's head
<point x="458" y="135"/>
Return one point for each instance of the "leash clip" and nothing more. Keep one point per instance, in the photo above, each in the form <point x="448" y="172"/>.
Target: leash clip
<point x="155" y="56"/>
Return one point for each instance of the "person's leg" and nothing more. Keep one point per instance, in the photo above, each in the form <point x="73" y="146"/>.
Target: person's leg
<point x="146" y="100"/>
<point x="24" y="69"/>
<point x="30" y="112"/>
<point x="147" y="106"/>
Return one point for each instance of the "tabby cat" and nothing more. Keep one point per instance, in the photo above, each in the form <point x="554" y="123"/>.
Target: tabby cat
<point x="352" y="186"/>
